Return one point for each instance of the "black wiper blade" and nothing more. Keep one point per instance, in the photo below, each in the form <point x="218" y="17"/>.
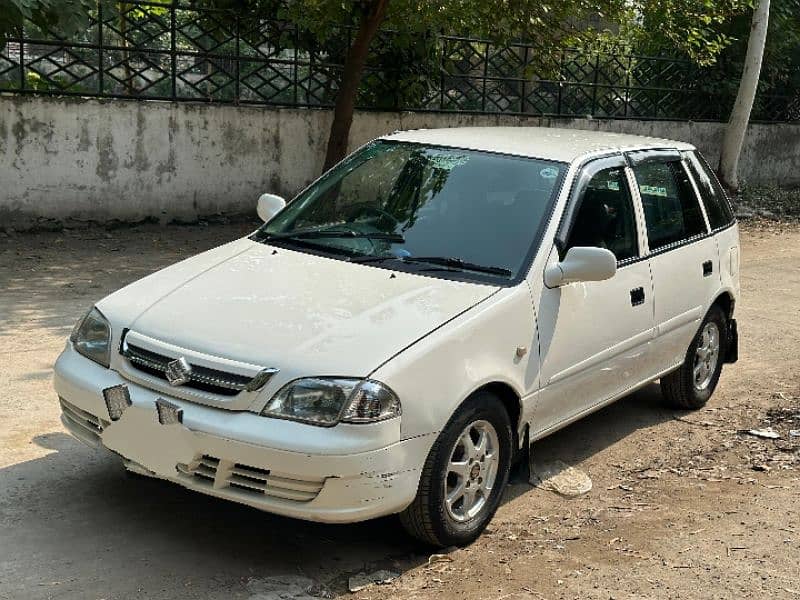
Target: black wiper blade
<point x="460" y="264"/>
<point x="306" y="243"/>
<point x="450" y="263"/>
<point x="375" y="259"/>
<point x="395" y="238"/>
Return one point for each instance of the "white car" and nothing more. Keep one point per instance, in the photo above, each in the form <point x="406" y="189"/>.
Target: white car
<point x="390" y="340"/>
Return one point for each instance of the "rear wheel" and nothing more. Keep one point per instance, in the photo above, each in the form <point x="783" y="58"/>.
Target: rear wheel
<point x="690" y="386"/>
<point x="464" y="475"/>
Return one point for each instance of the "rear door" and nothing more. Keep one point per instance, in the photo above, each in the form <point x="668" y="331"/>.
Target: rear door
<point x="720" y="219"/>
<point x="683" y="255"/>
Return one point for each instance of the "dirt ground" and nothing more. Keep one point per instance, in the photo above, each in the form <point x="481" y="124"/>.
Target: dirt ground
<point x="684" y="505"/>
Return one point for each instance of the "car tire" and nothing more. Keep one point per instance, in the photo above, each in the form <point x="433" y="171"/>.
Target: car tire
<point x="478" y="472"/>
<point x="691" y="385"/>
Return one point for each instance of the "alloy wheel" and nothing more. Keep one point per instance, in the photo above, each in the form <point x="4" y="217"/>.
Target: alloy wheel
<point x="471" y="471"/>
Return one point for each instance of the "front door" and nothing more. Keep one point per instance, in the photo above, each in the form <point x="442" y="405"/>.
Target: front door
<point x="594" y="336"/>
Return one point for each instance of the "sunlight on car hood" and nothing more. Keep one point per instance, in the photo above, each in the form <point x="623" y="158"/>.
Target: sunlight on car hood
<point x="284" y="308"/>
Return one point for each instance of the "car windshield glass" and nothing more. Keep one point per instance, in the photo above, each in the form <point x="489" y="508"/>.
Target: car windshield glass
<point x="424" y="206"/>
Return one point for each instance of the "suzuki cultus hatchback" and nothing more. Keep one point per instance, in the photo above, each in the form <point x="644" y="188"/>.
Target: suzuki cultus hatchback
<point x="388" y="341"/>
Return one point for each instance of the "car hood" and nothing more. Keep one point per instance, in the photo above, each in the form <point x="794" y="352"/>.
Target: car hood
<point x="302" y="313"/>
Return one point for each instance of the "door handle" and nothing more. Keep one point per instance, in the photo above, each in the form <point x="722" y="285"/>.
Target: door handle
<point x="708" y="268"/>
<point x="637" y="296"/>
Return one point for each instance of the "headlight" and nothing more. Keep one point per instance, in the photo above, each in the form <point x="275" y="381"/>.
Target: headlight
<point x="92" y="337"/>
<point x="326" y="401"/>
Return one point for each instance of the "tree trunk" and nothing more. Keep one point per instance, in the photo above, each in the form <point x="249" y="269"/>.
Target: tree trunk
<point x="351" y="78"/>
<point x="740" y="115"/>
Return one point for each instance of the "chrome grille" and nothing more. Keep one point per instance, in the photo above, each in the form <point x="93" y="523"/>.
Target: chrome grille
<point x="201" y="378"/>
<point x="245" y="479"/>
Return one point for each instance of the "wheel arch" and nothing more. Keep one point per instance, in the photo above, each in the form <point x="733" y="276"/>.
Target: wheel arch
<point x="511" y="401"/>
<point x="726" y="302"/>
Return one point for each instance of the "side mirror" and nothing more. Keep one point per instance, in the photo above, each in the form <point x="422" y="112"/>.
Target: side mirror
<point x="581" y="264"/>
<point x="269" y="205"/>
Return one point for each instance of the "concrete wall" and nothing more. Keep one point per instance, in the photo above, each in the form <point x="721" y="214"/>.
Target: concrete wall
<point x="70" y="160"/>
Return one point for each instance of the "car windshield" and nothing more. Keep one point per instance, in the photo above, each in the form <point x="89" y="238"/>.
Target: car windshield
<point x="426" y="208"/>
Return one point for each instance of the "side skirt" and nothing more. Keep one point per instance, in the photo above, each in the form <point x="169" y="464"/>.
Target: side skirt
<point x="537" y="435"/>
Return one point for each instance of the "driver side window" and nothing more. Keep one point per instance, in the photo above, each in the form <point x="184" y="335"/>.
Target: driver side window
<point x="605" y="218"/>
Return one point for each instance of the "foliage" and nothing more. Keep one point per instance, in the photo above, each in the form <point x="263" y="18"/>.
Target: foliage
<point x="401" y="67"/>
<point x="780" y="72"/>
<point x="404" y="62"/>
<point x="700" y="29"/>
<point x="697" y="28"/>
<point x="64" y="17"/>
<point x="499" y="20"/>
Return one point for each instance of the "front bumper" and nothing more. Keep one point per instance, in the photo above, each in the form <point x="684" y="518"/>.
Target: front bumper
<point x="341" y="474"/>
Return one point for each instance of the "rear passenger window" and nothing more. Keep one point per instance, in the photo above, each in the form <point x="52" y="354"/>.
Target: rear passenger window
<point x="605" y="218"/>
<point x="717" y="206"/>
<point x="671" y="210"/>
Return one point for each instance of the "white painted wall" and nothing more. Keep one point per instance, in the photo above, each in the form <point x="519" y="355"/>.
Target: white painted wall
<point x="65" y="160"/>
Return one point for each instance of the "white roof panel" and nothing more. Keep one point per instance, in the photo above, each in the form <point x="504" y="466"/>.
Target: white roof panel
<point x="551" y="143"/>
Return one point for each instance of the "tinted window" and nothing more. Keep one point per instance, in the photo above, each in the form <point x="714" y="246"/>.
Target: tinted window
<point x="671" y="210"/>
<point x="605" y="218"/>
<point x="479" y="207"/>
<point x="716" y="202"/>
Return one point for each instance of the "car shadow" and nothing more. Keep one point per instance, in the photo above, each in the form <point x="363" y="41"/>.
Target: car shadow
<point x="75" y="517"/>
<point x="594" y="433"/>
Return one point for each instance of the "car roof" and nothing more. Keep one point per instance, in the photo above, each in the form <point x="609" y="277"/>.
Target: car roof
<point x="565" y="145"/>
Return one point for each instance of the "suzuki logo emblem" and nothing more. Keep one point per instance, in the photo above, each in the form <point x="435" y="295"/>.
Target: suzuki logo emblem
<point x="178" y="371"/>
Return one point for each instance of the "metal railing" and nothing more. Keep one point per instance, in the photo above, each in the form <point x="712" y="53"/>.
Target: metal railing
<point x="173" y="51"/>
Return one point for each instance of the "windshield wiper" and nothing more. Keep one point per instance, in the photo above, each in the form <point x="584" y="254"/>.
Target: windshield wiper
<point x="451" y="263"/>
<point x="394" y="238"/>
<point x="460" y="264"/>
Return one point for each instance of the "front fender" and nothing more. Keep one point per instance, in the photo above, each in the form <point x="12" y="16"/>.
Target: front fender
<point x="437" y="373"/>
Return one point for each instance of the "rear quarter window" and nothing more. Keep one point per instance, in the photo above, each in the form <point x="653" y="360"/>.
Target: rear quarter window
<point x="714" y="198"/>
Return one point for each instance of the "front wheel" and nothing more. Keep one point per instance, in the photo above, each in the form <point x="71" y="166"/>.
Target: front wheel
<point x="691" y="385"/>
<point x="464" y="475"/>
